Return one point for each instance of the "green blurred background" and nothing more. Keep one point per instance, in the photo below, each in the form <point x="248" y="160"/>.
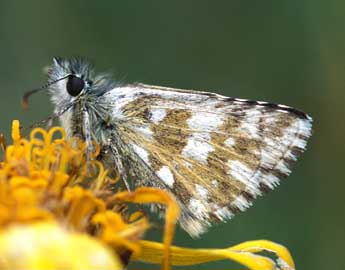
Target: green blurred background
<point x="290" y="52"/>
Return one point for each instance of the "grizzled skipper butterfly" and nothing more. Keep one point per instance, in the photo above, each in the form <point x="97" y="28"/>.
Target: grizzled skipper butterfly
<point x="215" y="154"/>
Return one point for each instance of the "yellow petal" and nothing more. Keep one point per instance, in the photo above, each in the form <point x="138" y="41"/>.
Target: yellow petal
<point x="114" y="231"/>
<point x="263" y="245"/>
<point x="82" y="205"/>
<point x="15" y="131"/>
<point x="152" y="252"/>
<point x="154" y="195"/>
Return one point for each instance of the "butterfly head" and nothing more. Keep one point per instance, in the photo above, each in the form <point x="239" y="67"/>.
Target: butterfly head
<point x="69" y="79"/>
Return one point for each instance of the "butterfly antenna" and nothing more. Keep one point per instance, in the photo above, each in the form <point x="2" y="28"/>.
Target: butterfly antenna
<point x="49" y="120"/>
<point x="25" y="98"/>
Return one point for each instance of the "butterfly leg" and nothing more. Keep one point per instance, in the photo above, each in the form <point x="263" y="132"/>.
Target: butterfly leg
<point x="110" y="155"/>
<point x="87" y="133"/>
<point x="121" y="168"/>
<point x="126" y="184"/>
<point x="49" y="124"/>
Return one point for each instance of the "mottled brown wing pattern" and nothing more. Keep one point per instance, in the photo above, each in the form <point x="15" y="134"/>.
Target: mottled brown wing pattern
<point x="215" y="154"/>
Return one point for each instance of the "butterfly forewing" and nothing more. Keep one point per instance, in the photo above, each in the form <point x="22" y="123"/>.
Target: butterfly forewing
<point x="215" y="154"/>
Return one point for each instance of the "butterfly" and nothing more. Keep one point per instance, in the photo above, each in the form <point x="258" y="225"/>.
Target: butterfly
<point x="215" y="154"/>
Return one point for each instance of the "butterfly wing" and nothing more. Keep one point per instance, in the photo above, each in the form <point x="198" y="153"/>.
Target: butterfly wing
<point x="215" y="154"/>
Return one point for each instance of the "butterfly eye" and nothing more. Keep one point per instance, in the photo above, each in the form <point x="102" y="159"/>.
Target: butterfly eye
<point x="74" y="85"/>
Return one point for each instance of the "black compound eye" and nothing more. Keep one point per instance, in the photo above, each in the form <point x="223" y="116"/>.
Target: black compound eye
<point x="74" y="85"/>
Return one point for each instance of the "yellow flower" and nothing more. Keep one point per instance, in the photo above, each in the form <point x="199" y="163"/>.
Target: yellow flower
<point x="45" y="245"/>
<point x="60" y="210"/>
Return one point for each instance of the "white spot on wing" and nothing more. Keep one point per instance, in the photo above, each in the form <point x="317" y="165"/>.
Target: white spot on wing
<point x="271" y="180"/>
<point x="197" y="208"/>
<point x="205" y="121"/>
<point x="229" y="142"/>
<point x="198" y="144"/>
<point x="244" y="174"/>
<point x="240" y="171"/>
<point x="166" y="175"/>
<point x="268" y="179"/>
<point x="277" y="150"/>
<point x="223" y="212"/>
<point x="202" y="192"/>
<point x="157" y="115"/>
<point x="262" y="102"/>
<point x="120" y="97"/>
<point x="142" y="153"/>
<point x="214" y="183"/>
<point x="305" y="126"/>
<point x="144" y="130"/>
<point x="197" y="148"/>
<point x="241" y="99"/>
<point x="299" y="143"/>
<point x="282" y="166"/>
<point x="250" y="126"/>
<point x="241" y="202"/>
<point x="283" y="106"/>
<point x="193" y="227"/>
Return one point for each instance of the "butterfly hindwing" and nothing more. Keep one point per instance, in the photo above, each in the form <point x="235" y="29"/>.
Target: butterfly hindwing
<point x="215" y="154"/>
